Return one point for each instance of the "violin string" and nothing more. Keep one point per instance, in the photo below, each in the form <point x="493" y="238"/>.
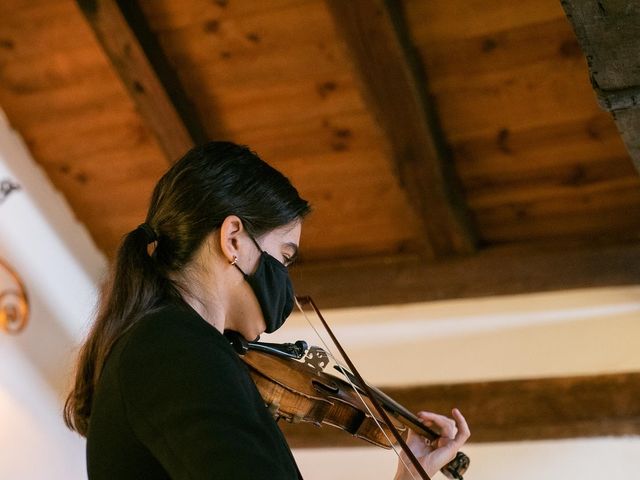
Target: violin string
<point x="343" y="369"/>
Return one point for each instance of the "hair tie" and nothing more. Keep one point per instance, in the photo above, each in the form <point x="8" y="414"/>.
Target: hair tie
<point x="151" y="234"/>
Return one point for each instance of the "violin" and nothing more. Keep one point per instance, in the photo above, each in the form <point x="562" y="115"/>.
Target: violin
<point x="292" y="380"/>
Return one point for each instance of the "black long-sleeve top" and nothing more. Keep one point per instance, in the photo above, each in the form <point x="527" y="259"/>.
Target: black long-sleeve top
<point x="174" y="401"/>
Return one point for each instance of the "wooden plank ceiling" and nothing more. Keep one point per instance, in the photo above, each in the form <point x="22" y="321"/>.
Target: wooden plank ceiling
<point x="449" y="148"/>
<point x="430" y="137"/>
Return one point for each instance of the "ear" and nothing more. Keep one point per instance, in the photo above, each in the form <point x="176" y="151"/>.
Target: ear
<point x="230" y="237"/>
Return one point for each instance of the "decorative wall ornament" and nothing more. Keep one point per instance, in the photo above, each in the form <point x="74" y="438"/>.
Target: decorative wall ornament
<point x="14" y="304"/>
<point x="7" y="186"/>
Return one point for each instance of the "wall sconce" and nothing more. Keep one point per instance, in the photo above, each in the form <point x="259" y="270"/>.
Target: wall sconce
<point x="14" y="305"/>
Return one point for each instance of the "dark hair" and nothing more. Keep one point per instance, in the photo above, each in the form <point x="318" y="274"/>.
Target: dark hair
<point x="191" y="200"/>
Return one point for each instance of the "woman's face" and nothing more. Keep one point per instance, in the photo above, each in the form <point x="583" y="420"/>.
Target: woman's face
<point x="281" y="243"/>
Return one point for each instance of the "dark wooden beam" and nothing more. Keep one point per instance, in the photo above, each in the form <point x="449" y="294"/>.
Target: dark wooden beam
<point x="495" y="271"/>
<point x="396" y="89"/>
<point x="137" y="58"/>
<point x="609" y="33"/>
<point x="538" y="409"/>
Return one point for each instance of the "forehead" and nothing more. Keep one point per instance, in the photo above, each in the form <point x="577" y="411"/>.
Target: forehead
<point x="289" y="233"/>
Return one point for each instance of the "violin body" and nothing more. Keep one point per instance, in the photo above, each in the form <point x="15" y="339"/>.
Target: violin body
<point x="294" y="386"/>
<point x="296" y="392"/>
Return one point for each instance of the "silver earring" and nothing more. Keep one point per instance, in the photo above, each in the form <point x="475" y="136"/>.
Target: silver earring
<point x="235" y="260"/>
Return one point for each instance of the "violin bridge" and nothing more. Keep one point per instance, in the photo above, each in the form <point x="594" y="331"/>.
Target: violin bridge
<point x="316" y="358"/>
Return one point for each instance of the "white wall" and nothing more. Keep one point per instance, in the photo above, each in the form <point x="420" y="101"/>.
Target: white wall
<point x="42" y="239"/>
<point x="34" y="443"/>
<point x="580" y="459"/>
<point x="60" y="266"/>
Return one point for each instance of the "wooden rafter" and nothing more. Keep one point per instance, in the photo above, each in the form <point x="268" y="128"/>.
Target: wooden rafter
<point x="609" y="33"/>
<point x="395" y="88"/>
<point x="495" y="271"/>
<point x="151" y="82"/>
<point x="537" y="409"/>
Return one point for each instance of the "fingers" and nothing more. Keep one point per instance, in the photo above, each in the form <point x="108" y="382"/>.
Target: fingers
<point x="453" y="433"/>
<point x="463" y="429"/>
<point x="446" y="425"/>
<point x="456" y="429"/>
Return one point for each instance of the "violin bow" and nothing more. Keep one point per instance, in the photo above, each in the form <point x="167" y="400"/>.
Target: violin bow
<point x="372" y="397"/>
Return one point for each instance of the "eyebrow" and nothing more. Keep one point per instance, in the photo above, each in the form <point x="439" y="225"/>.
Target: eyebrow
<point x="293" y="257"/>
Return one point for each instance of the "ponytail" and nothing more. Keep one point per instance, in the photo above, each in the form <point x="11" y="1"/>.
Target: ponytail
<point x="135" y="286"/>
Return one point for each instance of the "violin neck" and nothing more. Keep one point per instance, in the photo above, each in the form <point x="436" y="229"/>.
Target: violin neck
<point x="404" y="414"/>
<point x="394" y="407"/>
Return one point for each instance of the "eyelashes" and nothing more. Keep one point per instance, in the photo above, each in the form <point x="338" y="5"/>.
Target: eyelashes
<point x="289" y="261"/>
<point x="289" y="254"/>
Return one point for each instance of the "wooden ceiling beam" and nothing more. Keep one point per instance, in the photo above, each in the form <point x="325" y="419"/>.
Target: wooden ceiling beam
<point x="137" y="58"/>
<point x="609" y="33"/>
<point x="514" y="410"/>
<point x="396" y="90"/>
<point x="496" y="271"/>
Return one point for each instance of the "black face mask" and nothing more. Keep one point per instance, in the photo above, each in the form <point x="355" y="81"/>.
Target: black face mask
<point x="273" y="289"/>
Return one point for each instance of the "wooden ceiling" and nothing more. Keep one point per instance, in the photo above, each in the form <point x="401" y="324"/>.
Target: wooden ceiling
<point x="449" y="147"/>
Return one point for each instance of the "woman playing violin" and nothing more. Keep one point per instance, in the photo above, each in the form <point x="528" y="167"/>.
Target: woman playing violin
<point x="159" y="392"/>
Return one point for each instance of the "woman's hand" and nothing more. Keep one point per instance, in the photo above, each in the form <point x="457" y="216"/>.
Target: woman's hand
<point x="433" y="456"/>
